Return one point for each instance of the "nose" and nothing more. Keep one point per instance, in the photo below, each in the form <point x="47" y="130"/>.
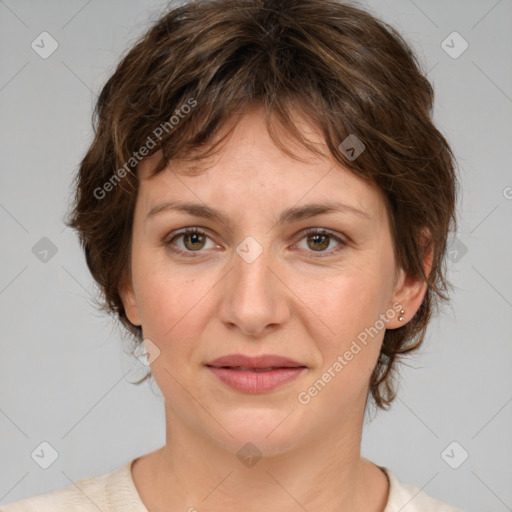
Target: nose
<point x="254" y="298"/>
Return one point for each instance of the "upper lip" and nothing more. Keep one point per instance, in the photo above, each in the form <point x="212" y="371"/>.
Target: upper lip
<point x="263" y="361"/>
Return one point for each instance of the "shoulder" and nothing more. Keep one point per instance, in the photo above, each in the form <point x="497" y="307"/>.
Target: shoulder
<point x="109" y="492"/>
<point x="409" y="498"/>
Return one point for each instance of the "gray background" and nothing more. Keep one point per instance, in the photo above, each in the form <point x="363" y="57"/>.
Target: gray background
<point x="64" y="378"/>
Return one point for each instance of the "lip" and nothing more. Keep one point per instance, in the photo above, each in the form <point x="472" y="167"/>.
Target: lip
<point x="256" y="382"/>
<point x="254" y="378"/>
<point x="263" y="361"/>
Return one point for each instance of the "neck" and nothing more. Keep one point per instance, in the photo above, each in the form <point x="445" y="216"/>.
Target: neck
<point x="322" y="473"/>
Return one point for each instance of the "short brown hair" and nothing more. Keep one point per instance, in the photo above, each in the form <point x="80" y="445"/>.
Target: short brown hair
<point x="341" y="67"/>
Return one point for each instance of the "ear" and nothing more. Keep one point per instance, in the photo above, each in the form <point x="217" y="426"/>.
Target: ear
<point x="410" y="290"/>
<point x="127" y="294"/>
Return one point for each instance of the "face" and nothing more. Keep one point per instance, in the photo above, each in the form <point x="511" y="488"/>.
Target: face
<point x="306" y="286"/>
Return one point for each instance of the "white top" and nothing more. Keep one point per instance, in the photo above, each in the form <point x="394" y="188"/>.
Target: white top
<point x="116" y="492"/>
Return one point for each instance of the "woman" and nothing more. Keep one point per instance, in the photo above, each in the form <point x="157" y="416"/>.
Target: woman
<point x="266" y="206"/>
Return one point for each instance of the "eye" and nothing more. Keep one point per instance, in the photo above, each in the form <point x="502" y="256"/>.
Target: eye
<point x="193" y="240"/>
<point x="318" y="240"/>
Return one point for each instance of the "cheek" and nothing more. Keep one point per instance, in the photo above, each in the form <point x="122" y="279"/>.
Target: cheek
<point x="346" y="324"/>
<point x="348" y="340"/>
<point x="173" y="302"/>
<point x="342" y="304"/>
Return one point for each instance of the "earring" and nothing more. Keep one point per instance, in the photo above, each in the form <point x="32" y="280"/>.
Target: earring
<point x="401" y="318"/>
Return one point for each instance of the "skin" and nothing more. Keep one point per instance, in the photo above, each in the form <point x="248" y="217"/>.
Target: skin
<point x="286" y="302"/>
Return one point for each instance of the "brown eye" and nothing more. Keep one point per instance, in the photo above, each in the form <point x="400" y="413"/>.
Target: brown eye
<point x="318" y="242"/>
<point x="193" y="241"/>
<point x="188" y="242"/>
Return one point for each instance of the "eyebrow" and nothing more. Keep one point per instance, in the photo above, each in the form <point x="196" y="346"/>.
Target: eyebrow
<point x="289" y="215"/>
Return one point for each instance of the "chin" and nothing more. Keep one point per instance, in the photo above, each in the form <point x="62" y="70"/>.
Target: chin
<point x="269" y="431"/>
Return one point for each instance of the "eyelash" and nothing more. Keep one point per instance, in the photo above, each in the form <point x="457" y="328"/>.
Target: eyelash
<point x="307" y="232"/>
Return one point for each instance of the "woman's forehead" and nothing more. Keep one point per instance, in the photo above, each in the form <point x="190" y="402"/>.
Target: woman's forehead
<point x="251" y="130"/>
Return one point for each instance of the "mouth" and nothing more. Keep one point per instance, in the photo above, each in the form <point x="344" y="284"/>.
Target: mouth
<point x="256" y="380"/>
<point x="266" y="362"/>
<point x="260" y="374"/>
<point x="257" y="370"/>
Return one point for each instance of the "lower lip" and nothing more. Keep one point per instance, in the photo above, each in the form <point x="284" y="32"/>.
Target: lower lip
<point x="256" y="382"/>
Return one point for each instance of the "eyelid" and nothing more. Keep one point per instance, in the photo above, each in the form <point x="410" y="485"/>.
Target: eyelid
<point x="323" y="231"/>
<point x="185" y="231"/>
